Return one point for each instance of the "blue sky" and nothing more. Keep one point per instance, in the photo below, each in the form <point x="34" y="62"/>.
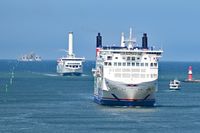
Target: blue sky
<point x="42" y="26"/>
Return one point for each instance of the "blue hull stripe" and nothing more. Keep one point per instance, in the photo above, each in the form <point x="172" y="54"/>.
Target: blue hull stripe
<point x="72" y="74"/>
<point x="110" y="102"/>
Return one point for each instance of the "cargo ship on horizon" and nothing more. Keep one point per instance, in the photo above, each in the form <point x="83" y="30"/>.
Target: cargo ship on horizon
<point x="30" y="57"/>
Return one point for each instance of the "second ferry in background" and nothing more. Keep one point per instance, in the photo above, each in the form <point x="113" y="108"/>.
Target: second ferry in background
<point x="70" y="65"/>
<point x="126" y="75"/>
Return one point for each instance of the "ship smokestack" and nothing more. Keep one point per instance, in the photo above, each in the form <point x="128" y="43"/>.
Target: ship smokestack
<point x="98" y="44"/>
<point x="99" y="41"/>
<point x="145" y="41"/>
<point x="70" y="43"/>
<point x="190" y="73"/>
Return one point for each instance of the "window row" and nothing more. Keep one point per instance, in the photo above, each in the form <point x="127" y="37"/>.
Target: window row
<point x="73" y="66"/>
<point x="124" y="70"/>
<point x="125" y="58"/>
<point x="130" y="64"/>
<point x="127" y="75"/>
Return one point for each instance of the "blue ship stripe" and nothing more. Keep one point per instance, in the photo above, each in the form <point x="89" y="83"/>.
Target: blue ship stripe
<point x="72" y="74"/>
<point x="114" y="102"/>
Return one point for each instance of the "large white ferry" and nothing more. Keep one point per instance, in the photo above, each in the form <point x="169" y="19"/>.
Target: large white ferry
<point x="126" y="75"/>
<point x="70" y="65"/>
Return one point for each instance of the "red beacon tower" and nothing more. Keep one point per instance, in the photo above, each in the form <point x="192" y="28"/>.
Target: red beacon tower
<point x="190" y="73"/>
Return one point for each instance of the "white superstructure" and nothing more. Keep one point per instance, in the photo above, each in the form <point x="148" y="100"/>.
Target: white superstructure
<point x="70" y="65"/>
<point x="126" y="75"/>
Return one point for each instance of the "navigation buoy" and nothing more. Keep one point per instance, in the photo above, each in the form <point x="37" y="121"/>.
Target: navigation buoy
<point x="11" y="81"/>
<point x="12" y="75"/>
<point x="190" y="73"/>
<point x="6" y="88"/>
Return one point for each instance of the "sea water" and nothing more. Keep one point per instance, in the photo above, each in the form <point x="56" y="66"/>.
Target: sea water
<point x="38" y="100"/>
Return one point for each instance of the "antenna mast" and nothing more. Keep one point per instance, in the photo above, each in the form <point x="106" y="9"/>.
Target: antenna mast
<point x="131" y="41"/>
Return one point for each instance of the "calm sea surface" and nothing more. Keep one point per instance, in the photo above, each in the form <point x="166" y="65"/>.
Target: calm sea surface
<point x="37" y="100"/>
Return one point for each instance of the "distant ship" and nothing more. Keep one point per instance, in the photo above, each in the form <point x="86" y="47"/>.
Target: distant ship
<point x="30" y="57"/>
<point x="70" y="65"/>
<point x="126" y="75"/>
<point x="174" y="84"/>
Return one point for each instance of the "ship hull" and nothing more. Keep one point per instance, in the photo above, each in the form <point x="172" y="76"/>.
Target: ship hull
<point x="114" y="102"/>
<point x="119" y="94"/>
<point x="71" y="74"/>
<point x="68" y="72"/>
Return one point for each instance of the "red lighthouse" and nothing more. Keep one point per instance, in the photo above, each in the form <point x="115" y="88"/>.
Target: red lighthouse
<point x="190" y="73"/>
